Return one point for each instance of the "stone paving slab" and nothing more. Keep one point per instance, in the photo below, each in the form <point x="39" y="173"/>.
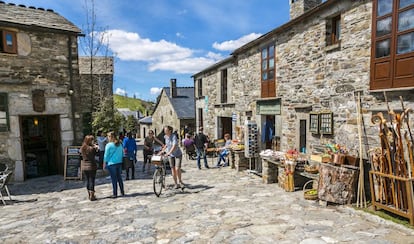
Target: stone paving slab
<point x="218" y="206"/>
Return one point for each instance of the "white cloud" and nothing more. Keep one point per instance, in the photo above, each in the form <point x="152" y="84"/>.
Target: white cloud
<point x="155" y="90"/>
<point x="160" y="55"/>
<point x="183" y="66"/>
<point x="234" y="44"/>
<point x="120" y="91"/>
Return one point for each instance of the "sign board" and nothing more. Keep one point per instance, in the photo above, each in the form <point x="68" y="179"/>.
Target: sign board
<point x="73" y="163"/>
<point x="268" y="107"/>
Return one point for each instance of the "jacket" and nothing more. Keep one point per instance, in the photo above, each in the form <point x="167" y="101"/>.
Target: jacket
<point x="113" y="154"/>
<point x="88" y="158"/>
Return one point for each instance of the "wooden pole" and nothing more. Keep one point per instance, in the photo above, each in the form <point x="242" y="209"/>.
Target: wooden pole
<point x="361" y="200"/>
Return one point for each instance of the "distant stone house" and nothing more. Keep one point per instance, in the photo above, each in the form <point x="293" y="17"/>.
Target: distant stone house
<point x="304" y="76"/>
<point x="175" y="107"/>
<point x="39" y="78"/>
<point x="145" y="124"/>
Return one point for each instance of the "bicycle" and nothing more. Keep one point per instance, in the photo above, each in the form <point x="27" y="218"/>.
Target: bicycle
<point x="160" y="173"/>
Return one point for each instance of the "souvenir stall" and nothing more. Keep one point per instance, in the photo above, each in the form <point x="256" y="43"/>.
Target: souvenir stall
<point x="330" y="176"/>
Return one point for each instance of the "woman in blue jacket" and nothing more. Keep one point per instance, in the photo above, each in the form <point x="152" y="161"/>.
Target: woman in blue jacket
<point x="113" y="162"/>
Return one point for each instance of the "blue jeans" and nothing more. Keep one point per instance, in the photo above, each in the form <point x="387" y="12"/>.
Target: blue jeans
<point x="116" y="177"/>
<point x="201" y="153"/>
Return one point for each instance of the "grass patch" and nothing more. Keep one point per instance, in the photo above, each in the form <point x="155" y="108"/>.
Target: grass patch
<point x="388" y="216"/>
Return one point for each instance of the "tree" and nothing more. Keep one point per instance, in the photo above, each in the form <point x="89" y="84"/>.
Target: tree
<point x="107" y="118"/>
<point x="131" y="123"/>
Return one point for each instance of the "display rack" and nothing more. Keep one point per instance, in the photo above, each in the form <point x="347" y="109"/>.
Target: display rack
<point x="251" y="147"/>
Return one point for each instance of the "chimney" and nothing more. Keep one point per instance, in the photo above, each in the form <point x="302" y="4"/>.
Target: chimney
<point x="299" y="7"/>
<point x="173" y="87"/>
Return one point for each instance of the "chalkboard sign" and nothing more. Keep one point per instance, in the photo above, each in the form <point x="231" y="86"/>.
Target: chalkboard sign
<point x="73" y="163"/>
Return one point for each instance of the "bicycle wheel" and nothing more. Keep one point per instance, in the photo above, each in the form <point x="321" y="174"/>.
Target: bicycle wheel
<point x="158" y="182"/>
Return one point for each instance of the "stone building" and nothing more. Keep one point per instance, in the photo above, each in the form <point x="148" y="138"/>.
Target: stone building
<point x="39" y="76"/>
<point x="304" y="76"/>
<point x="175" y="107"/>
<point x="97" y="78"/>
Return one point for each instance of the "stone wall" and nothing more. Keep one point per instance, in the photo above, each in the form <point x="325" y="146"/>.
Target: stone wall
<point x="324" y="77"/>
<point x="164" y="115"/>
<point x="42" y="63"/>
<point x="311" y="76"/>
<point x="299" y="7"/>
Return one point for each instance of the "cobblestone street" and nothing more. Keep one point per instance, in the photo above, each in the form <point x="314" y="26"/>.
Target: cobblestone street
<point x="218" y="206"/>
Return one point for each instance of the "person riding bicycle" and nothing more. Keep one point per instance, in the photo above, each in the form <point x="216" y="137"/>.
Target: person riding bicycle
<point x="175" y="155"/>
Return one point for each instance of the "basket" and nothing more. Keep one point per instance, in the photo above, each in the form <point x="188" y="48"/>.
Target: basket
<point x="311" y="169"/>
<point x="310" y="194"/>
<point x="156" y="159"/>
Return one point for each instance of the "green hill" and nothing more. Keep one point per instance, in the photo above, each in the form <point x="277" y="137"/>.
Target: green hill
<point x="132" y="103"/>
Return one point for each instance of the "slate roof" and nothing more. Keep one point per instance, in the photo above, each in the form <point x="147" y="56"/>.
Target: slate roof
<point x="183" y="103"/>
<point x="11" y="14"/>
<point x="146" y="120"/>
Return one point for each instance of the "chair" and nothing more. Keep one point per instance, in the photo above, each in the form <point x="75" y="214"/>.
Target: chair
<point x="4" y="180"/>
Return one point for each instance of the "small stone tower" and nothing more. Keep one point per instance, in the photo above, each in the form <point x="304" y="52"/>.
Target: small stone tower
<point x="299" y="7"/>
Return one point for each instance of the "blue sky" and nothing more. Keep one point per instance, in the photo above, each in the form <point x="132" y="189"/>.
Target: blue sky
<point x="155" y="40"/>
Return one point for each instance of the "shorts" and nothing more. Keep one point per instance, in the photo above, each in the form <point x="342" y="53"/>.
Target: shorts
<point x="175" y="162"/>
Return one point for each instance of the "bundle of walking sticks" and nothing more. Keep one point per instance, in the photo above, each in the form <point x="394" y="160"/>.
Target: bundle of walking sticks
<point x="394" y="158"/>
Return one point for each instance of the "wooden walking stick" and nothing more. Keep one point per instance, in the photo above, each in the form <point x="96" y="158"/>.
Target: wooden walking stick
<point x="361" y="200"/>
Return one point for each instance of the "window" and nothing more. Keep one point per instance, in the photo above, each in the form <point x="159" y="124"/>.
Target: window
<point x="8" y="42"/>
<point x="268" y="87"/>
<point x="200" y="117"/>
<point x="392" y="57"/>
<point x="4" y="113"/>
<point x="199" y="88"/>
<point x="223" y="86"/>
<point x="333" y="30"/>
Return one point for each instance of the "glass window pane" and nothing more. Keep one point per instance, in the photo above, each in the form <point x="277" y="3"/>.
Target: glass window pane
<point x="384" y="26"/>
<point x="271" y="63"/>
<point x="384" y="7"/>
<point x="271" y="74"/>
<point x="382" y="49"/>
<point x="271" y="51"/>
<point x="9" y="39"/>
<point x="406" y="20"/>
<point x="264" y="75"/>
<point x="264" y="53"/>
<point x="405" y="3"/>
<point x="264" y="65"/>
<point x="2" y="114"/>
<point x="405" y="43"/>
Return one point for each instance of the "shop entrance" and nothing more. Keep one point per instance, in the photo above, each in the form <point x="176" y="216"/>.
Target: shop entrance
<point x="224" y="126"/>
<point x="41" y="145"/>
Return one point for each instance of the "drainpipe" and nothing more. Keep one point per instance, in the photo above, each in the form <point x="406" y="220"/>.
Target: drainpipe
<point x="72" y="98"/>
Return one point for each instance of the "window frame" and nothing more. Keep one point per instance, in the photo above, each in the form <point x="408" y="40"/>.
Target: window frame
<point x="4" y="107"/>
<point x="5" y="48"/>
<point x="223" y="85"/>
<point x="199" y="88"/>
<point x="268" y="85"/>
<point x="392" y="69"/>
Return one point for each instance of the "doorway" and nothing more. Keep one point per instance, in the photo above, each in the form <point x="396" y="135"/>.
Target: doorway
<point x="41" y="145"/>
<point x="224" y="126"/>
<point x="302" y="135"/>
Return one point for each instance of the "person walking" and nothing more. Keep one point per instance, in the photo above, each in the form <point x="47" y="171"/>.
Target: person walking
<point x="88" y="164"/>
<point x="175" y="155"/>
<point x="113" y="162"/>
<point x="201" y="143"/>
<point x="149" y="148"/>
<point x="130" y="146"/>
<point x="102" y="140"/>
